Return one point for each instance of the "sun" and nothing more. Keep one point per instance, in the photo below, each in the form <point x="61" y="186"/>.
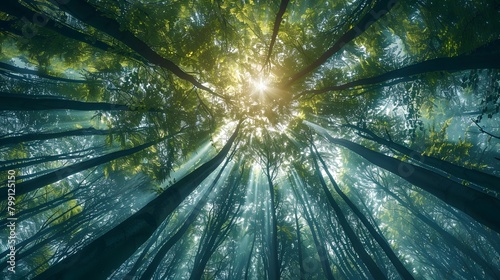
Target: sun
<point x="260" y="85"/>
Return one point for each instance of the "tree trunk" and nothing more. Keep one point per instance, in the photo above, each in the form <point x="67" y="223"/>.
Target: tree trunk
<point x="88" y="14"/>
<point x="274" y="263"/>
<point x="45" y="136"/>
<point x="403" y="272"/>
<point x="322" y="253"/>
<point x="249" y="260"/>
<point x="21" y="102"/>
<point x="217" y="227"/>
<point x="480" y="206"/>
<point x="448" y="64"/>
<point x="381" y="8"/>
<point x="447" y="237"/>
<point x="14" y="69"/>
<point x="19" y="163"/>
<point x="98" y="259"/>
<point x="482" y="179"/>
<point x="299" y="247"/>
<point x="355" y="241"/>
<point x="148" y="273"/>
<point x="277" y="22"/>
<point x="54" y="176"/>
<point x="13" y="7"/>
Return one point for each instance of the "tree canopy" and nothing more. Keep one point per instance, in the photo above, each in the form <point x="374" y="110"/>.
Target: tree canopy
<point x="250" y="139"/>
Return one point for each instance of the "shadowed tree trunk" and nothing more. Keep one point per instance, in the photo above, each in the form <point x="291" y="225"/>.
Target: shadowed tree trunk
<point x="15" y="164"/>
<point x="249" y="259"/>
<point x="13" y="7"/>
<point x="320" y="248"/>
<point x="355" y="241"/>
<point x="148" y="273"/>
<point x="274" y="262"/>
<point x="19" y="70"/>
<point x="88" y="14"/>
<point x="299" y="246"/>
<point x="218" y="226"/>
<point x="21" y="102"/>
<point x="478" y="205"/>
<point x="52" y="177"/>
<point x="447" y="237"/>
<point x="381" y="8"/>
<point x="448" y="64"/>
<point x="45" y="136"/>
<point x="276" y="28"/>
<point x="475" y="176"/>
<point x="98" y="259"/>
<point x="403" y="272"/>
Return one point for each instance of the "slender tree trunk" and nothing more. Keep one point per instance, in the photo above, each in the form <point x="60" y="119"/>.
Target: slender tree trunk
<point x="403" y="272"/>
<point x="19" y="163"/>
<point x="45" y="136"/>
<point x="217" y="229"/>
<point x="249" y="260"/>
<point x="381" y="8"/>
<point x="482" y="179"/>
<point x="355" y="241"/>
<point x="274" y="263"/>
<point x="19" y="70"/>
<point x="148" y="273"/>
<point x="448" y="64"/>
<point x="447" y="237"/>
<point x="57" y="175"/>
<point x="98" y="259"/>
<point x="20" y="102"/>
<point x="144" y="254"/>
<point x="13" y="7"/>
<point x="276" y="28"/>
<point x="480" y="206"/>
<point x="322" y="253"/>
<point x="88" y="14"/>
<point x="299" y="247"/>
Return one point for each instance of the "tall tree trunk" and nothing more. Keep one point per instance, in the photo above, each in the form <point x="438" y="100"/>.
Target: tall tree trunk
<point x="355" y="241"/>
<point x="98" y="259"/>
<point x="299" y="246"/>
<point x="19" y="70"/>
<point x="277" y="22"/>
<point x="480" y="206"/>
<point x="57" y="175"/>
<point x="274" y="262"/>
<point x="44" y="136"/>
<point x="148" y="273"/>
<point x="403" y="272"/>
<point x="249" y="260"/>
<point x="21" y="102"/>
<point x="475" y="176"/>
<point x="132" y="274"/>
<point x="447" y="237"/>
<point x="322" y="252"/>
<point x="448" y="64"/>
<point x="19" y="163"/>
<point x="88" y="14"/>
<point x="14" y="8"/>
<point x="217" y="228"/>
<point x="381" y="8"/>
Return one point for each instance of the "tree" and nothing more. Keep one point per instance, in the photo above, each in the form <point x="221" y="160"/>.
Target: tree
<point x="250" y="139"/>
<point x="124" y="239"/>
<point x="379" y="238"/>
<point x="477" y="204"/>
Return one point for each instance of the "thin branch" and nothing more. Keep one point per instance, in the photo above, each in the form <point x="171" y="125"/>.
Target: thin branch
<point x="484" y="131"/>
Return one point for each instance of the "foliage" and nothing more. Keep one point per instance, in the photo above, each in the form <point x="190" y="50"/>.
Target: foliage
<point x="168" y="82"/>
